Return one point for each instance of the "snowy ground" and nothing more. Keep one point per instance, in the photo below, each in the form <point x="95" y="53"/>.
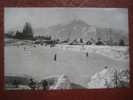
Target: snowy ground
<point x="39" y="63"/>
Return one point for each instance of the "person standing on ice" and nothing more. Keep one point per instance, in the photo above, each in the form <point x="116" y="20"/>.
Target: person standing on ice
<point x="86" y="54"/>
<point x="106" y="67"/>
<point x="24" y="48"/>
<point x="55" y="57"/>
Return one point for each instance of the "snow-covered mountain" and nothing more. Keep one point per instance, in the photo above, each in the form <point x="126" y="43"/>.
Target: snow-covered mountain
<point x="73" y="30"/>
<point x="77" y="29"/>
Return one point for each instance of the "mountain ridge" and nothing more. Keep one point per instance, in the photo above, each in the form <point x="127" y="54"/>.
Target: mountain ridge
<point x="79" y="29"/>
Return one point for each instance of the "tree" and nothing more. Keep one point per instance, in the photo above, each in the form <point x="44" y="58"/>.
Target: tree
<point x="45" y="85"/>
<point x="32" y="84"/>
<point x="81" y="40"/>
<point x="121" y="42"/>
<point x="18" y="35"/>
<point x="16" y="83"/>
<point x="88" y="42"/>
<point x="26" y="34"/>
<point x="27" y="31"/>
<point x="99" y="42"/>
<point x="119" y="79"/>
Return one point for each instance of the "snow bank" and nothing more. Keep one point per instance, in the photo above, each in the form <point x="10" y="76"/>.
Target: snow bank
<point x="109" y="78"/>
<point x="62" y="83"/>
<point x="100" y="79"/>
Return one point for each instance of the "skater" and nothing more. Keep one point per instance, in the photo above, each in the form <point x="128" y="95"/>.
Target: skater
<point x="106" y="67"/>
<point x="34" y="46"/>
<point x="55" y="57"/>
<point x="24" y="48"/>
<point x="86" y="54"/>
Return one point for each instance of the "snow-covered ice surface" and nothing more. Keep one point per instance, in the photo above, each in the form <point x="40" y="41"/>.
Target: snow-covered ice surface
<point x="39" y="63"/>
<point x="114" y="52"/>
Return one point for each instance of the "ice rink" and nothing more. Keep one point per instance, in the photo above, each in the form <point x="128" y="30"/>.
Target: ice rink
<point x="39" y="62"/>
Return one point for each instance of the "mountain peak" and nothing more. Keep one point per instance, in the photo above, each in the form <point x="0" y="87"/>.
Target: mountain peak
<point x="79" y="22"/>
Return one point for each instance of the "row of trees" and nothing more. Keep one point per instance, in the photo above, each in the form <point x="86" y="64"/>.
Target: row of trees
<point x="99" y="41"/>
<point x="43" y="38"/>
<point x="27" y="32"/>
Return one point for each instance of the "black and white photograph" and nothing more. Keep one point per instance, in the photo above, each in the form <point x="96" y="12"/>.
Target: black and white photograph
<point x="55" y="48"/>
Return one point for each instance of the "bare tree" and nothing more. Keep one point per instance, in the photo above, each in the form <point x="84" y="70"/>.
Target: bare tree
<point x="28" y="31"/>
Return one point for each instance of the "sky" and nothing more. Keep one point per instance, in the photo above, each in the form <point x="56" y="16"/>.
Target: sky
<point x="15" y="18"/>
